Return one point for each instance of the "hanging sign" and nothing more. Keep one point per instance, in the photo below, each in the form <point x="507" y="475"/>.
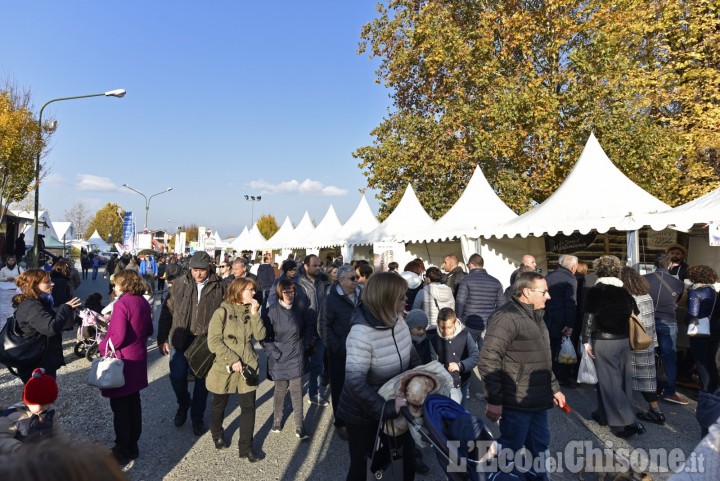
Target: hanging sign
<point x="567" y="244"/>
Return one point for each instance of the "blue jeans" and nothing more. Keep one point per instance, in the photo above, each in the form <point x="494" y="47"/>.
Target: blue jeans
<point x="525" y="428"/>
<point x="315" y="369"/>
<point x="95" y="272"/>
<point x="179" y="369"/>
<point x="667" y="340"/>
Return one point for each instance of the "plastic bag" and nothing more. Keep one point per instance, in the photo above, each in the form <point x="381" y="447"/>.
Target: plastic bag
<point x="586" y="371"/>
<point x="567" y="352"/>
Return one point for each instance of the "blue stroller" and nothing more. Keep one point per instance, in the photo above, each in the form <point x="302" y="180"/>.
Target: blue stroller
<point x="462" y="443"/>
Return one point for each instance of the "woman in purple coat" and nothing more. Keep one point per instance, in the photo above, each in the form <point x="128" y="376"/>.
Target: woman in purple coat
<point x="130" y="327"/>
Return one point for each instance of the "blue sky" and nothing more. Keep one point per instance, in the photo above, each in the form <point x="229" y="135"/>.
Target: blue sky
<point x="224" y="99"/>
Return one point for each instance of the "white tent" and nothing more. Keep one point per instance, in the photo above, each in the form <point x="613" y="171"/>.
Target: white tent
<point x="64" y="229"/>
<point x="239" y="240"/>
<point x="97" y="241"/>
<point x="408" y="215"/>
<point x="327" y="227"/>
<point x="477" y="209"/>
<point x="595" y="195"/>
<point x="281" y="237"/>
<point x="304" y="229"/>
<point x="702" y="210"/>
<point x="358" y="226"/>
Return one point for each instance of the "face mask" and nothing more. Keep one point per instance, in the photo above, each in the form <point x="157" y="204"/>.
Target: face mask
<point x="418" y="339"/>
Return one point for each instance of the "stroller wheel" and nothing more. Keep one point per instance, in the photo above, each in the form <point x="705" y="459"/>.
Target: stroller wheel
<point x="80" y="349"/>
<point x="92" y="352"/>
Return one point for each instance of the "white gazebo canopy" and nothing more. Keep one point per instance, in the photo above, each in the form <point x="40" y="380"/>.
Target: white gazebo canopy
<point x="360" y="224"/>
<point x="595" y="195"/>
<point x="304" y="229"/>
<point x="327" y="227"/>
<point x="98" y="242"/>
<point x="702" y="210"/>
<point x="477" y="209"/>
<point x="408" y="215"/>
<point x="281" y="237"/>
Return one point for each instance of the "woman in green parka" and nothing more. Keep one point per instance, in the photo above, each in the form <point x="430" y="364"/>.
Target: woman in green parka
<point x="232" y="327"/>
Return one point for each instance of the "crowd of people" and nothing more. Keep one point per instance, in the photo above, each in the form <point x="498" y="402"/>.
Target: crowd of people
<point x="352" y="330"/>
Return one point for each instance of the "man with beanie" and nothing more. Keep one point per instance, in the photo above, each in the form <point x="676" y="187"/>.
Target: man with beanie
<point x="186" y="314"/>
<point x="32" y="419"/>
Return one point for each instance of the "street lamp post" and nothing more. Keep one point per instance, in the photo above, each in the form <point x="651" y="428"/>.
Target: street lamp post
<point x="253" y="199"/>
<point x="147" y="200"/>
<point x="119" y="93"/>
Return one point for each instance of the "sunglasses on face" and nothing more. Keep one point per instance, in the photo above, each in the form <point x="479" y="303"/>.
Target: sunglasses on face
<point x="352" y="279"/>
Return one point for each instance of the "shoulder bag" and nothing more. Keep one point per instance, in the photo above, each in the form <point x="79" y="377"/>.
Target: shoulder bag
<point x="16" y="350"/>
<point x="639" y="338"/>
<point x="107" y="372"/>
<point x="386" y="461"/>
<point x="701" y="327"/>
<point x="198" y="355"/>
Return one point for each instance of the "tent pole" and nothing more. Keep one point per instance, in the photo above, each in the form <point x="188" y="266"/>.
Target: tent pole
<point x="633" y="248"/>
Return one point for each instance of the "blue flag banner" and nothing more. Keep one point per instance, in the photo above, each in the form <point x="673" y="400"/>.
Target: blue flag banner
<point x="128" y="233"/>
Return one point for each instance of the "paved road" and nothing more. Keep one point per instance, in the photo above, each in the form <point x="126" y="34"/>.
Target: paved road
<point x="167" y="452"/>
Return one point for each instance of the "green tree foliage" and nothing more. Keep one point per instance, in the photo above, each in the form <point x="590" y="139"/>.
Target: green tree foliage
<point x="517" y="86"/>
<point x="107" y="222"/>
<point x="267" y="225"/>
<point x="19" y="146"/>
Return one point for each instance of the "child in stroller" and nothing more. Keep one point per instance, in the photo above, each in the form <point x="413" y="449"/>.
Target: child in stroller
<point x="92" y="329"/>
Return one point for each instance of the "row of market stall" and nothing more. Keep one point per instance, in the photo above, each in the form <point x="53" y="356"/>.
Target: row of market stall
<point x="595" y="197"/>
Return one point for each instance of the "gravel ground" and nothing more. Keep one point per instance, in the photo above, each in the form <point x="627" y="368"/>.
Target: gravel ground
<point x="167" y="452"/>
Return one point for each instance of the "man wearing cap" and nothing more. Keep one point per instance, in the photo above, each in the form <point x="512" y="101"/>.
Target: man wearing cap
<point x="678" y="267"/>
<point x="185" y="314"/>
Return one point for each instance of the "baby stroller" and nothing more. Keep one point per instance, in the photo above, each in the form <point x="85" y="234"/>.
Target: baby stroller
<point x="463" y="445"/>
<point x="89" y="334"/>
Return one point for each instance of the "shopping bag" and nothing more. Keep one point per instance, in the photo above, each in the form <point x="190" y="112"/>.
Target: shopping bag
<point x="567" y="352"/>
<point x="586" y="371"/>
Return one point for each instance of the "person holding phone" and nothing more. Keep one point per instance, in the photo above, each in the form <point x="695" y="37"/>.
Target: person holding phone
<point x="232" y="327"/>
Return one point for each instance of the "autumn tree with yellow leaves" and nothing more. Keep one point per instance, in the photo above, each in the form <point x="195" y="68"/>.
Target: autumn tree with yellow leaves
<point x="517" y="86"/>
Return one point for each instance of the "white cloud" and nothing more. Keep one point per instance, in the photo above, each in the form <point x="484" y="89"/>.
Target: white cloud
<point x="305" y="187"/>
<point x="94" y="182"/>
<point x="54" y="179"/>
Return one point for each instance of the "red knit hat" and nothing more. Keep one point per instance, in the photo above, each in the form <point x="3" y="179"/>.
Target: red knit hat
<point x="40" y="388"/>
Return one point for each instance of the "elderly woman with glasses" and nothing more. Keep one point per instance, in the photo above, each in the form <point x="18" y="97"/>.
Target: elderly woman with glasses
<point x="378" y="348"/>
<point x="334" y="323"/>
<point x="232" y="327"/>
<point x="290" y="333"/>
<point x="606" y="339"/>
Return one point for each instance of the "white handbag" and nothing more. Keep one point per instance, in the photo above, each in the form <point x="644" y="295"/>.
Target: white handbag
<point x="701" y="327"/>
<point x="107" y="372"/>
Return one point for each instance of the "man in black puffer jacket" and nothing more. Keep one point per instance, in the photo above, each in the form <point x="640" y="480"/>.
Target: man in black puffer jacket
<point x="516" y="369"/>
<point x="334" y="323"/>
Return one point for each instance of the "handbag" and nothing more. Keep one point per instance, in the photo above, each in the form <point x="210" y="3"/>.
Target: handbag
<point x="198" y="355"/>
<point x="386" y="462"/>
<point x="17" y="350"/>
<point x="639" y="338"/>
<point x="586" y="371"/>
<point x="107" y="372"/>
<point x="701" y="327"/>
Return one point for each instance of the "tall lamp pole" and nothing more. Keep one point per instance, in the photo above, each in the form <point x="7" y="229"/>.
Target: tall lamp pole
<point x="253" y="199"/>
<point x="147" y="200"/>
<point x="119" y="93"/>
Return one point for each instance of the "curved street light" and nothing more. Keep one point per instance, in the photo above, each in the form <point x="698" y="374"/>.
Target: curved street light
<point x="119" y="93"/>
<point x="147" y="199"/>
